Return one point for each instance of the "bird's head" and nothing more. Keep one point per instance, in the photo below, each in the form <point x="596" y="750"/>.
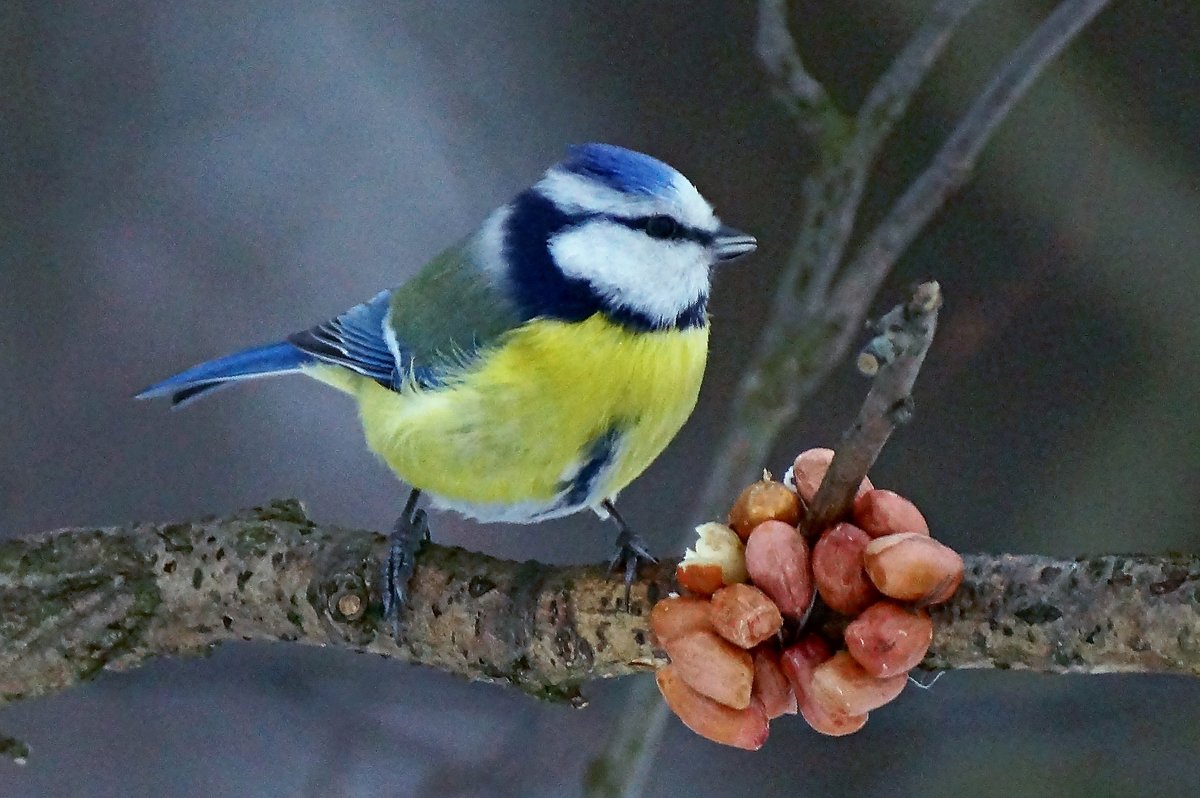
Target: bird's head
<point x="619" y="232"/>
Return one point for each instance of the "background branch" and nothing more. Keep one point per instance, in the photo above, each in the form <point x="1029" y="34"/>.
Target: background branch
<point x="957" y="157"/>
<point x="794" y="87"/>
<point x="820" y="304"/>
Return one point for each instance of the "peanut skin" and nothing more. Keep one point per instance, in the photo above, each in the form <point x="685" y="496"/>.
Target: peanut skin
<point x="741" y="728"/>
<point x="713" y="667"/>
<point x="887" y="638"/>
<point x="831" y="722"/>
<point x="778" y="563"/>
<point x="703" y="579"/>
<point x="841" y="685"/>
<point x="838" y="570"/>
<point x="765" y="500"/>
<point x="676" y="616"/>
<point x="809" y="469"/>
<point x="882" y="512"/>
<point x="913" y="567"/>
<point x="800" y="659"/>
<point x="771" y="685"/>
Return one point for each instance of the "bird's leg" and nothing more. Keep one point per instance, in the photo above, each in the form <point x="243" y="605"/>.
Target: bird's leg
<point x="631" y="549"/>
<point x="410" y="531"/>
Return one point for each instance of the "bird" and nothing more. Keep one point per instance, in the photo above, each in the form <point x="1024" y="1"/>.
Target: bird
<point x="534" y="369"/>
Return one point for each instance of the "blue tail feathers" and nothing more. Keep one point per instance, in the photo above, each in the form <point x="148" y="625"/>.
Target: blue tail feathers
<point x="261" y="361"/>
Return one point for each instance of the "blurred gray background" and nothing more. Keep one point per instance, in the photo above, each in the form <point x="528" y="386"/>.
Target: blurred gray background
<point x="179" y="180"/>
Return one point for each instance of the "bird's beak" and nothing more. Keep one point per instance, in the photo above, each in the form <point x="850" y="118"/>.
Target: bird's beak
<point x="729" y="243"/>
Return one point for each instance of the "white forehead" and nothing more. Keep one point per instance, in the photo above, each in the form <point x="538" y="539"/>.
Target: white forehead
<point x="575" y="193"/>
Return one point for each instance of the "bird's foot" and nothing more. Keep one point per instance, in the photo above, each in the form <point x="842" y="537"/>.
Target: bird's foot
<point x="409" y="533"/>
<point x="631" y="551"/>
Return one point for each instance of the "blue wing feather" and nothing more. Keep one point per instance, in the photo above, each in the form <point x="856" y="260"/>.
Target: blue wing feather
<point x="354" y="340"/>
<point x="260" y="361"/>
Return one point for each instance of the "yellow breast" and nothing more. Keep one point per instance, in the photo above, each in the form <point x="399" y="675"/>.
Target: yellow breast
<point x="557" y="416"/>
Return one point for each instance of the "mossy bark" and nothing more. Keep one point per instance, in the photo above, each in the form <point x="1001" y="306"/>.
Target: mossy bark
<point x="78" y="601"/>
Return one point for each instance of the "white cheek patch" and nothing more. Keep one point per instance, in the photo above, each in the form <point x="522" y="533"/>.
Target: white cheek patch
<point x="659" y="279"/>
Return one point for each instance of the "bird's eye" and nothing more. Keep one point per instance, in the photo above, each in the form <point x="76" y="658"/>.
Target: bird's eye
<point x="662" y="227"/>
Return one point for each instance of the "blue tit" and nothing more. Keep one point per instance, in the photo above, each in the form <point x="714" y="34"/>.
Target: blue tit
<point x="539" y="366"/>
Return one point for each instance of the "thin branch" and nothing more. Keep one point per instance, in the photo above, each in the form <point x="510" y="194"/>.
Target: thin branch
<point x="956" y="159"/>
<point x="889" y="98"/>
<point x="883" y="107"/>
<point x="904" y="337"/>
<point x="801" y="341"/>
<point x="795" y="88"/>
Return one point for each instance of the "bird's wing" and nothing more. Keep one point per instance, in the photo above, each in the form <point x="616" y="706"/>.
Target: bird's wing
<point x="427" y="328"/>
<point x="354" y="340"/>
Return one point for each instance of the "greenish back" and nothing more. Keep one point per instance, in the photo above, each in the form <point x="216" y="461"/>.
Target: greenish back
<point x="481" y="310"/>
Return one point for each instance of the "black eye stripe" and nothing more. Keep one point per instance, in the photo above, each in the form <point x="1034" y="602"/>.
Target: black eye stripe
<point x="646" y="224"/>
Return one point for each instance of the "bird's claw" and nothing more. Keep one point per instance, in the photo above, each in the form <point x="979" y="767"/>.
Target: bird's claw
<point x="409" y="533"/>
<point x="630" y="554"/>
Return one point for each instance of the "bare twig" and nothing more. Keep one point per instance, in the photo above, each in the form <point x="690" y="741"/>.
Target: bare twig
<point x="796" y="89"/>
<point x="798" y="345"/>
<point x="903" y="340"/>
<point x="889" y="98"/>
<point x="883" y="107"/>
<point x="957" y="157"/>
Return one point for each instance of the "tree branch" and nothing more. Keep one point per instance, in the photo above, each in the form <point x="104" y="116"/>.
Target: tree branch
<point x="77" y="601"/>
<point x="795" y="88"/>
<point x="956" y="159"/>
<point x="894" y="359"/>
<point x="883" y="107"/>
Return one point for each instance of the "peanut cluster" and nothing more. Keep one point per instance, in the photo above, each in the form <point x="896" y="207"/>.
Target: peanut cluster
<point x="739" y="652"/>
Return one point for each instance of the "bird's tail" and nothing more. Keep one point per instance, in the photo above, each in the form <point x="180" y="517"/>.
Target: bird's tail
<point x="261" y="361"/>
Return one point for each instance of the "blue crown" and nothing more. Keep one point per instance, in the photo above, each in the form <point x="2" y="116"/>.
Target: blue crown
<point x="618" y="168"/>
